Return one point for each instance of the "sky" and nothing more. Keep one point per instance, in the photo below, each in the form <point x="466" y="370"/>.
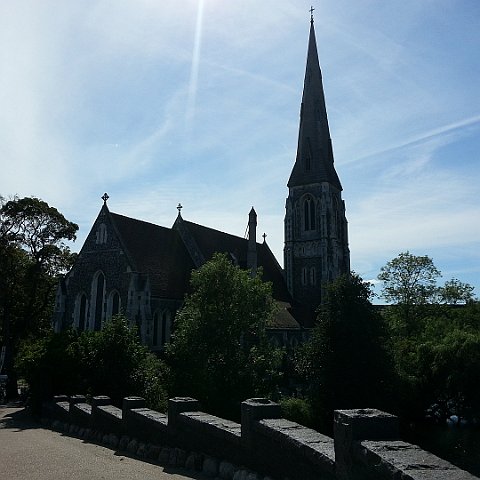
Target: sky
<point x="160" y="102"/>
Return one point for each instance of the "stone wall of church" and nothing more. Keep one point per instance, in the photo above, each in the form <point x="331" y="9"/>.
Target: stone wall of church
<point x="99" y="282"/>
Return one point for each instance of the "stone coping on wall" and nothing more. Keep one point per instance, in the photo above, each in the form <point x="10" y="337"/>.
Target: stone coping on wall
<point x="111" y="410"/>
<point x="151" y="415"/>
<point x="365" y="443"/>
<point x="316" y="447"/>
<point x="397" y="459"/>
<point x="215" y="425"/>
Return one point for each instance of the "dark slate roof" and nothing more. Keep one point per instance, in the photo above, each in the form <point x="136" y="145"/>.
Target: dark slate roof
<point x="314" y="135"/>
<point x="212" y="241"/>
<point x="158" y="252"/>
<point x="284" y="318"/>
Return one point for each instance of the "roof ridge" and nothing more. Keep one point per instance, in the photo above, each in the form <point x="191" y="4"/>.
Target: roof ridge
<point x="138" y="220"/>
<point x="214" y="230"/>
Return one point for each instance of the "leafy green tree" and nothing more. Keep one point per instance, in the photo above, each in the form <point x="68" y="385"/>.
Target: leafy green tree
<point x="49" y="366"/>
<point x="456" y="292"/>
<point x="113" y="362"/>
<point x="32" y="255"/>
<point x="438" y="364"/>
<point x="108" y="362"/>
<point x="410" y="282"/>
<point x="409" y="279"/>
<point x="345" y="361"/>
<point x="220" y="353"/>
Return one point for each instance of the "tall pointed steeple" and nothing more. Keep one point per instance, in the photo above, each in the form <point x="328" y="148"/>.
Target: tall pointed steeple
<point x="316" y="238"/>
<point x="314" y="162"/>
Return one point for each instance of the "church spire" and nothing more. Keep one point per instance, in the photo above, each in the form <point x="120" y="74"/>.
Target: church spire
<point x="316" y="231"/>
<point x="314" y="162"/>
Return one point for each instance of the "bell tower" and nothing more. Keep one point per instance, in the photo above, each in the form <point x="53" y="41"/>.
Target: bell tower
<point x="316" y="233"/>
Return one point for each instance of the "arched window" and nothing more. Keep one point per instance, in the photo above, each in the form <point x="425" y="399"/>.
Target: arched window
<point x="101" y="234"/>
<point x="304" y="276"/>
<point x="98" y="296"/>
<point x="113" y="304"/>
<point x="81" y="312"/>
<point x="165" y="327"/>
<point x="161" y="328"/>
<point x="309" y="213"/>
<point x="313" y="276"/>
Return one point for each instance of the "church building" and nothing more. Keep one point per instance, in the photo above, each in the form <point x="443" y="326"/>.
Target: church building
<point x="143" y="270"/>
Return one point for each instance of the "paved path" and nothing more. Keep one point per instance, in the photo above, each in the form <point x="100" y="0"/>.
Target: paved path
<point x="30" y="452"/>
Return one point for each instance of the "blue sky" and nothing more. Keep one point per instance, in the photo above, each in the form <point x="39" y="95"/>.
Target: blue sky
<point x="161" y="102"/>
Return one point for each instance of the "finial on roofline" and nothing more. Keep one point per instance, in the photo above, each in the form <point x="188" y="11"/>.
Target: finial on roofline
<point x="264" y="238"/>
<point x="311" y="14"/>
<point x="105" y="197"/>
<point x="179" y="208"/>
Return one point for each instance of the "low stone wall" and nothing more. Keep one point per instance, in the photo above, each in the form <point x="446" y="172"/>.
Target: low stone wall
<point x="365" y="445"/>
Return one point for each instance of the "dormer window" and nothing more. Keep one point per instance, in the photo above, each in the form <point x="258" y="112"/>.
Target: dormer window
<point x="307" y="164"/>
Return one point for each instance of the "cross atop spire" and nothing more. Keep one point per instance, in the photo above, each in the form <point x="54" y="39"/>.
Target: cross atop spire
<point x="105" y="197"/>
<point x="179" y="208"/>
<point x="311" y="14"/>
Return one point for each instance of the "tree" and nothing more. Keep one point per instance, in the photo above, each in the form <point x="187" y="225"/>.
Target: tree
<point x="456" y="292"/>
<point x="32" y="255"/>
<point x="409" y="279"/>
<point x="109" y="362"/>
<point x="345" y="362"/>
<point x="432" y="343"/>
<point x="219" y="352"/>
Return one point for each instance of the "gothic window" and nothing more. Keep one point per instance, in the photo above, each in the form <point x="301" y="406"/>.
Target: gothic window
<point x="313" y="276"/>
<point x="161" y="328"/>
<point x="304" y="276"/>
<point x="81" y="312"/>
<point x="98" y="295"/>
<point x="165" y="327"/>
<point x="309" y="214"/>
<point x="113" y="304"/>
<point x="101" y="234"/>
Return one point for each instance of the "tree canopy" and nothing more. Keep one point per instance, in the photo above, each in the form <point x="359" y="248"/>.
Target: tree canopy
<point x="219" y="352"/>
<point x="108" y="362"/>
<point x="33" y="253"/>
<point x="345" y="362"/>
<point x="409" y="279"/>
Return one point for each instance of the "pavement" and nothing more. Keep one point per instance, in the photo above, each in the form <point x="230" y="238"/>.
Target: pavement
<point x="30" y="452"/>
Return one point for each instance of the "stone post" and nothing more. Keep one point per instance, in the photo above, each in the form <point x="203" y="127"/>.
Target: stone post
<point x="253" y="410"/>
<point x="74" y="399"/>
<point x="60" y="398"/>
<point x="97" y="402"/>
<point x="178" y="405"/>
<point x="350" y="426"/>
<point x="130" y="403"/>
<point x="100" y="400"/>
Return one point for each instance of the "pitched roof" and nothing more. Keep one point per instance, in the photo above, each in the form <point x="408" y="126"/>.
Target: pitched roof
<point x="158" y="252"/>
<point x="212" y="241"/>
